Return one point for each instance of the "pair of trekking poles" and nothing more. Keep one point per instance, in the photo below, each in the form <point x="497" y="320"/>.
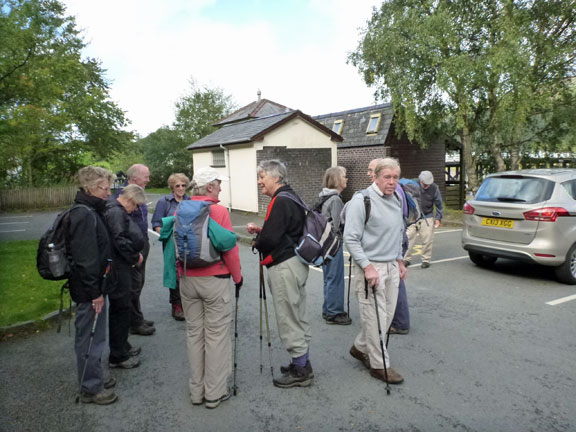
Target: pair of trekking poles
<point x="263" y="300"/>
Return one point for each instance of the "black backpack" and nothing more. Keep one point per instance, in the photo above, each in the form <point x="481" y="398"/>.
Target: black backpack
<point x="52" y="258"/>
<point x="320" y="239"/>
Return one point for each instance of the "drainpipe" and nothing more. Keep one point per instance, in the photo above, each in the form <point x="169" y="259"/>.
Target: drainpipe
<point x="227" y="152"/>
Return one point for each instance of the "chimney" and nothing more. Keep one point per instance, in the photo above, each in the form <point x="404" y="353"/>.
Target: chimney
<point x="259" y="94"/>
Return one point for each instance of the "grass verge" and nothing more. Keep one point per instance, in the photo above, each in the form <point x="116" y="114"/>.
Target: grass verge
<point x="25" y="295"/>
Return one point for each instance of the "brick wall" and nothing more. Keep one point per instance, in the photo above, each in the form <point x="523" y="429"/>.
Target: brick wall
<point x="356" y="160"/>
<point x="414" y="159"/>
<point x="305" y="167"/>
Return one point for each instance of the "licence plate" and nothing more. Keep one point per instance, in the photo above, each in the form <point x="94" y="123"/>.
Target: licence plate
<point x="500" y="223"/>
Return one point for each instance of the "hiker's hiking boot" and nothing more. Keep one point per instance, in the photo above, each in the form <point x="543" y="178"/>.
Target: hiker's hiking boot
<point x="105" y="397"/>
<point x="394" y="330"/>
<point x="177" y="312"/>
<point x="393" y="376"/>
<point x="109" y="382"/>
<point x="142" y="330"/>
<point x="296" y="376"/>
<point x="308" y="367"/>
<point x="211" y="404"/>
<point x="131" y="363"/>
<point x="149" y="323"/>
<point x="357" y="354"/>
<point x="134" y="351"/>
<point x="340" y="319"/>
<point x="425" y="264"/>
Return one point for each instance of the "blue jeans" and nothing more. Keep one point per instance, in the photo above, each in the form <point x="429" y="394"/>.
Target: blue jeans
<point x="401" y="319"/>
<point x="334" y="285"/>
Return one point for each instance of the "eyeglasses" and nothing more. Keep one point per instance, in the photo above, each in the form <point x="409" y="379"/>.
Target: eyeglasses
<point x="181" y="185"/>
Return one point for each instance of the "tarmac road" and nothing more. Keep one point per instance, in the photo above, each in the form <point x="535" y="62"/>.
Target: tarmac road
<point x="485" y="353"/>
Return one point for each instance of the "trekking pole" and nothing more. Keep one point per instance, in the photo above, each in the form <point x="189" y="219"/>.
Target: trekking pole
<point x="92" y="331"/>
<point x="380" y="335"/>
<point x="349" y="282"/>
<point x="235" y="387"/>
<point x="263" y="284"/>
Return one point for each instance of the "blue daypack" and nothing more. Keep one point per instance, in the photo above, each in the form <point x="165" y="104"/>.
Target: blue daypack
<point x="197" y="237"/>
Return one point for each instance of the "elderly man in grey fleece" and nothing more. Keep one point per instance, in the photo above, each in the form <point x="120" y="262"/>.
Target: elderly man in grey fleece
<point x="376" y="247"/>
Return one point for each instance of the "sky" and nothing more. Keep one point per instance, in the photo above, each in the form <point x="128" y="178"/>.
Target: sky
<point x="293" y="51"/>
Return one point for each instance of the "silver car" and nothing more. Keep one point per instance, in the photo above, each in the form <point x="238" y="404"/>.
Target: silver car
<point x="527" y="215"/>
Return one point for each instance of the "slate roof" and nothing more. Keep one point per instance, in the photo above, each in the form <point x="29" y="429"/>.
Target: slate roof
<point x="259" y="108"/>
<point x="355" y="122"/>
<point x="251" y="130"/>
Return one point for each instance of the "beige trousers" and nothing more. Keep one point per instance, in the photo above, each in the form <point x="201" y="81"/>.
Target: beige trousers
<point x="207" y="304"/>
<point x="424" y="228"/>
<point x="368" y="340"/>
<point x="287" y="284"/>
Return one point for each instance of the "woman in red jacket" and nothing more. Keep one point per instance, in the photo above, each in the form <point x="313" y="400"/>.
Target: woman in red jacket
<point x="207" y="295"/>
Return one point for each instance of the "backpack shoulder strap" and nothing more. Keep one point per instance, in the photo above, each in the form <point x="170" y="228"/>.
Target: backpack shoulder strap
<point x="296" y="199"/>
<point x="367" y="204"/>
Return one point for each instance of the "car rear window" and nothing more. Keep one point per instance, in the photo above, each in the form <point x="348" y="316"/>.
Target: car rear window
<point x="515" y="189"/>
<point x="570" y="187"/>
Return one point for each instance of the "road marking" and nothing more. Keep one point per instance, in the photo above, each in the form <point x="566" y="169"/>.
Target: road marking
<point x="154" y="232"/>
<point x="447" y="231"/>
<point x="441" y="261"/>
<point x="14" y="217"/>
<point x="561" y="300"/>
<point x="4" y="232"/>
<point x="13" y="223"/>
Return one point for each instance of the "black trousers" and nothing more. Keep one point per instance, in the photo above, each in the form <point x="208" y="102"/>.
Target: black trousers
<point x="119" y="328"/>
<point x="138" y="279"/>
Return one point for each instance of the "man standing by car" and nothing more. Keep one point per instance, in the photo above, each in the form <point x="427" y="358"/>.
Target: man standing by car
<point x="139" y="174"/>
<point x="429" y="197"/>
<point x="376" y="247"/>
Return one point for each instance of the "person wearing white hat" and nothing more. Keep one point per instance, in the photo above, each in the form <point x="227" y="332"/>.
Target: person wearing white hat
<point x="429" y="198"/>
<point x="206" y="294"/>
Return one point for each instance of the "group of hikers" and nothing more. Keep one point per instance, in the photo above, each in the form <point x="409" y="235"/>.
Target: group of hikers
<point x="108" y="245"/>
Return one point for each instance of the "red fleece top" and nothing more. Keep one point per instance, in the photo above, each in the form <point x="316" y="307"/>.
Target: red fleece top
<point x="230" y="263"/>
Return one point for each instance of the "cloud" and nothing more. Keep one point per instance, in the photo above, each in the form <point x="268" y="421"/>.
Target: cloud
<point x="151" y="50"/>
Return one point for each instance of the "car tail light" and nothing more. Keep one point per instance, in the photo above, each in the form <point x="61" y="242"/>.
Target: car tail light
<point x="468" y="209"/>
<point x="547" y="214"/>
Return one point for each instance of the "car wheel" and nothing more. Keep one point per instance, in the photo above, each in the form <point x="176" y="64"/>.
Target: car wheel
<point x="566" y="273"/>
<point x="481" y="260"/>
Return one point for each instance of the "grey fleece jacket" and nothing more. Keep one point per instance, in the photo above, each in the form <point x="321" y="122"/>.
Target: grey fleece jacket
<point x="333" y="206"/>
<point x="380" y="239"/>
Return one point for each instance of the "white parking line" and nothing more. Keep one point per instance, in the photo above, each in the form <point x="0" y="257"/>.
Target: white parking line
<point x="447" y="231"/>
<point x="561" y="300"/>
<point x="13" y="223"/>
<point x="11" y="231"/>
<point x="14" y="217"/>
<point x="154" y="232"/>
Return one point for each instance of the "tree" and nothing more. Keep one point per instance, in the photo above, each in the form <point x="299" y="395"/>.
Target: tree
<point x="165" y="153"/>
<point x="54" y="105"/>
<point x="479" y="72"/>
<point x="198" y="111"/>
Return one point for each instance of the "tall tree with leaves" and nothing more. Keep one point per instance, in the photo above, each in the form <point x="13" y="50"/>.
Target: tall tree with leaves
<point x="54" y="105"/>
<point x="196" y="113"/>
<point x="478" y="70"/>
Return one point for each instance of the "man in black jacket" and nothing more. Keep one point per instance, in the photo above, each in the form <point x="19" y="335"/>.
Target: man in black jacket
<point x="287" y="275"/>
<point x="90" y="253"/>
<point x="127" y="242"/>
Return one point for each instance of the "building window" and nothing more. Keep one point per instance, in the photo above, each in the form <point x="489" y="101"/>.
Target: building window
<point x="218" y="158"/>
<point x="373" y="124"/>
<point x="337" y="126"/>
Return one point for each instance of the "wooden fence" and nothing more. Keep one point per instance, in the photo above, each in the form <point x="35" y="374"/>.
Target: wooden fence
<point x="452" y="198"/>
<point x="37" y="198"/>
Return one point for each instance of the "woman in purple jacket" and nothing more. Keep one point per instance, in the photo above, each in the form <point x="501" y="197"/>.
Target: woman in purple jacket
<point x="166" y="206"/>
